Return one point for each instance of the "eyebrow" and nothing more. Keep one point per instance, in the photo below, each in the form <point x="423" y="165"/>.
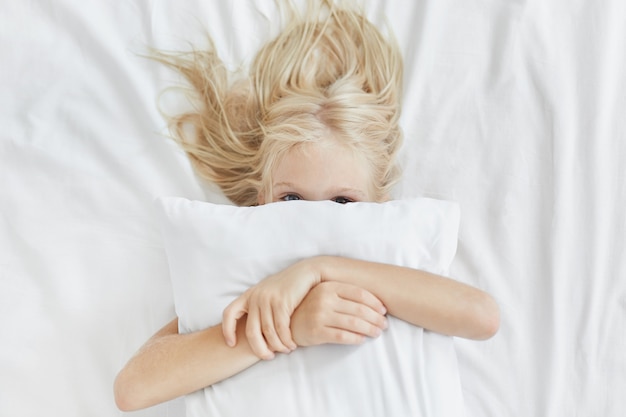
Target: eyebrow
<point x="283" y="184"/>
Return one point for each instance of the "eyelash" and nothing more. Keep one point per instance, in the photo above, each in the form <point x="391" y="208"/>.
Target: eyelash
<point x="345" y="200"/>
<point x="338" y="199"/>
<point x="287" y="197"/>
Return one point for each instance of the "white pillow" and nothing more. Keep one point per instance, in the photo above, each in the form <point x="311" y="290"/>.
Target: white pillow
<point x="216" y="252"/>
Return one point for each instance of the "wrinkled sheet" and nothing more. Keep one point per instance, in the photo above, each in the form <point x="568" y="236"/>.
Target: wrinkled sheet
<point x="514" y="109"/>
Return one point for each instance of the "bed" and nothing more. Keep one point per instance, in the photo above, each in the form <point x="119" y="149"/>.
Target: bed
<point x="514" y="109"/>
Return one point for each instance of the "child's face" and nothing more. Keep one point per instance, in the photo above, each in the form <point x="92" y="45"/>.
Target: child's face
<point x="321" y="172"/>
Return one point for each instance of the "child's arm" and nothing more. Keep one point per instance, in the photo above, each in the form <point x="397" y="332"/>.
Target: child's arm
<point x="427" y="300"/>
<point x="171" y="364"/>
<point x="423" y="299"/>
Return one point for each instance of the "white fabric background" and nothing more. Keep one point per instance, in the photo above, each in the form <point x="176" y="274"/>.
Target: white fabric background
<point x="512" y="108"/>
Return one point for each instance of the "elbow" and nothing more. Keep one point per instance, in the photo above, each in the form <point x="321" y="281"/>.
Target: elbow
<point x="486" y="318"/>
<point x="126" y="393"/>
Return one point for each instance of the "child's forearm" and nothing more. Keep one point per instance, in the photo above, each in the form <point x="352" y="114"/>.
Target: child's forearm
<point x="170" y="365"/>
<point x="426" y="300"/>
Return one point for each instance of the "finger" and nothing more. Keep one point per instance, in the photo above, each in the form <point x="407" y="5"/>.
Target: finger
<point x="354" y="324"/>
<point x="343" y="337"/>
<point x="282" y="323"/>
<point x="361" y="311"/>
<point x="233" y="312"/>
<point x="255" y="336"/>
<point x="360" y="295"/>
<point x="269" y="332"/>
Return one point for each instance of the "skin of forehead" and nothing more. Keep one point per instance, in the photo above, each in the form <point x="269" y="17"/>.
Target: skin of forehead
<point x="321" y="170"/>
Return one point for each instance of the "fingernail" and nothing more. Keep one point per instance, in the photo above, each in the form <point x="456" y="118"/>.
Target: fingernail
<point x="385" y="324"/>
<point x="230" y="342"/>
<point x="383" y="311"/>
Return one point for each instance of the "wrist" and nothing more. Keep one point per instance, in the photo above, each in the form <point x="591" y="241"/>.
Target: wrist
<point x="314" y="268"/>
<point x="322" y="267"/>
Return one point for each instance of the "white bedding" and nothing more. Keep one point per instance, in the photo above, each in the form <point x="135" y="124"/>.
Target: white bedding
<point x="217" y="251"/>
<point x="514" y="109"/>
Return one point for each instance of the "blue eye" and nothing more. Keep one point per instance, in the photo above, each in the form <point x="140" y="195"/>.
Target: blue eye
<point x="291" y="197"/>
<point x="342" y="200"/>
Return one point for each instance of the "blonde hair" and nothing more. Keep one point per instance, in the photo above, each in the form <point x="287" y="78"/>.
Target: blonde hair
<point x="331" y="71"/>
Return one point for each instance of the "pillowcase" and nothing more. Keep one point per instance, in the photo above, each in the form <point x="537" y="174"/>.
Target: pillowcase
<point x="216" y="252"/>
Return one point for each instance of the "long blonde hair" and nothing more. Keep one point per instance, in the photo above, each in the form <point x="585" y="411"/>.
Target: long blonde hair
<point x="329" y="71"/>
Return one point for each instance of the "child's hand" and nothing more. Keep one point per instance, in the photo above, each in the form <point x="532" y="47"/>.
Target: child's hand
<point x="269" y="306"/>
<point x="334" y="312"/>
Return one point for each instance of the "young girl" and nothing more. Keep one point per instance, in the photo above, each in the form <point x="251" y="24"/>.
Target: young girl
<point x="317" y="119"/>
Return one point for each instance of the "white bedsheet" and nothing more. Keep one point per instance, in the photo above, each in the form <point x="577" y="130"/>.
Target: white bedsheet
<point x="515" y="109"/>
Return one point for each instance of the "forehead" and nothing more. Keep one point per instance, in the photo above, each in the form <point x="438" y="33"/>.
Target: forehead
<point x="323" y="168"/>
